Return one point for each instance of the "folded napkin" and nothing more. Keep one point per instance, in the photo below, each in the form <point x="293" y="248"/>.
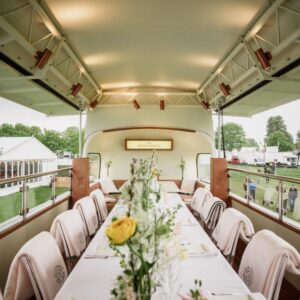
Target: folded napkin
<point x="201" y="249"/>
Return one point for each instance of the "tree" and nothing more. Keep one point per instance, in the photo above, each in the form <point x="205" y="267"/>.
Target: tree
<point x="7" y="130"/>
<point x="53" y="140"/>
<point x="71" y="139"/>
<point x="277" y="134"/>
<point x="275" y="123"/>
<point x="283" y="140"/>
<point x="298" y="140"/>
<point x="250" y="142"/>
<point x="234" y="136"/>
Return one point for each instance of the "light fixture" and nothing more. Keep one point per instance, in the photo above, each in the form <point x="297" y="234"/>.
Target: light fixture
<point x="205" y="105"/>
<point x="75" y="89"/>
<point x="136" y="104"/>
<point x="264" y="58"/>
<point x="42" y="57"/>
<point x="162" y="104"/>
<point x="93" y="104"/>
<point x="225" y="88"/>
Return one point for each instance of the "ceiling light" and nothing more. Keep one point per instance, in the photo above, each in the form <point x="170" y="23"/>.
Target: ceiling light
<point x="136" y="105"/>
<point x="162" y="104"/>
<point x="264" y="58"/>
<point x="75" y="89"/>
<point x="93" y="104"/>
<point x="42" y="57"/>
<point x="205" y="105"/>
<point x="225" y="88"/>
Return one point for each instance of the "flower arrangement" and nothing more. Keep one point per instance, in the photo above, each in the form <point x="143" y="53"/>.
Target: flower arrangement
<point x="108" y="164"/>
<point x="139" y="237"/>
<point x="182" y="166"/>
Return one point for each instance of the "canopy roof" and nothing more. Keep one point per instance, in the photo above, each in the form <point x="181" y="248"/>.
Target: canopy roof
<point x="145" y="50"/>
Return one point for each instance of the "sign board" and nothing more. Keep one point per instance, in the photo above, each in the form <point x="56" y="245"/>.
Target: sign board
<point x="148" y="144"/>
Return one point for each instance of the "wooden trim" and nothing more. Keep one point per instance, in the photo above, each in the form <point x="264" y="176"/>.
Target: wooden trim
<point x="15" y="227"/>
<point x="288" y="226"/>
<point x="148" y="127"/>
<point x="147" y="149"/>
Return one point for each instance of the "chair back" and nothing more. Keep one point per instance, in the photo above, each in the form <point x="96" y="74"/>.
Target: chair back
<point x="199" y="198"/>
<point x="87" y="210"/>
<point x="68" y="231"/>
<point x="38" y="269"/>
<point x="264" y="262"/>
<point x="232" y="225"/>
<point x="108" y="186"/>
<point x="100" y="204"/>
<point x="211" y="211"/>
<point x="187" y="186"/>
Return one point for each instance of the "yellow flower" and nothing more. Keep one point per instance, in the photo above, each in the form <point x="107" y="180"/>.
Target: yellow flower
<point x="121" y="230"/>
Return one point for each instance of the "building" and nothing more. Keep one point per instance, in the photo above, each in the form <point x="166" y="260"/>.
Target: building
<point x="21" y="156"/>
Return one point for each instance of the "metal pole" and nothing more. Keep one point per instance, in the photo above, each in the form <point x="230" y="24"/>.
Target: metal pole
<point x="219" y="132"/>
<point x="80" y="129"/>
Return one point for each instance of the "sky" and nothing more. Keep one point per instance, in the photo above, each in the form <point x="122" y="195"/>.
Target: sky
<point x="255" y="127"/>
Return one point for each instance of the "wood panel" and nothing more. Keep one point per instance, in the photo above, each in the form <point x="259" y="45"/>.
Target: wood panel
<point x="80" y="179"/>
<point x="219" y="179"/>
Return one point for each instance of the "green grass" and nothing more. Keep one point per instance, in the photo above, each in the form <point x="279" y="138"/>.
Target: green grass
<point x="10" y="205"/>
<point x="237" y="187"/>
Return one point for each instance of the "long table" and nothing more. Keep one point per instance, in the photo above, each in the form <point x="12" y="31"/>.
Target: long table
<point x="94" y="275"/>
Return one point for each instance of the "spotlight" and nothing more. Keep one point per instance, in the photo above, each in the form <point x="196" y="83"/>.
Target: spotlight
<point x="205" y="105"/>
<point x="225" y="89"/>
<point x="75" y="89"/>
<point x="93" y="104"/>
<point x="264" y="58"/>
<point x="136" y="104"/>
<point x="42" y="57"/>
<point x="162" y="104"/>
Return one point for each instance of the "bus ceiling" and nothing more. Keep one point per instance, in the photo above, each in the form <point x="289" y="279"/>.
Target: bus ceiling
<point x="61" y="56"/>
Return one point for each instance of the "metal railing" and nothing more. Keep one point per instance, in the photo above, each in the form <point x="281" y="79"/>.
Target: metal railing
<point x="280" y="206"/>
<point x="22" y="185"/>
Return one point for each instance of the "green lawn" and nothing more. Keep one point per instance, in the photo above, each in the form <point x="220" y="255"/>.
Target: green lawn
<point x="10" y="205"/>
<point x="237" y="179"/>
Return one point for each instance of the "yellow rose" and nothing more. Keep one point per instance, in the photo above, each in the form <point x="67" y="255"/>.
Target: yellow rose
<point x="121" y="230"/>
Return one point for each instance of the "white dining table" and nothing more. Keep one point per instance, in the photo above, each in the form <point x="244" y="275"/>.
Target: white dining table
<point x="95" y="274"/>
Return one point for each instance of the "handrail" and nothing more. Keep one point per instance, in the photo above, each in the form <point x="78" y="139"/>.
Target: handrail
<point x="283" y="178"/>
<point x="25" y="177"/>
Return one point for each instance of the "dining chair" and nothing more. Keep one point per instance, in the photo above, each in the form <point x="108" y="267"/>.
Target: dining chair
<point x="87" y="210"/>
<point x="231" y="226"/>
<point x="210" y="213"/>
<point x="68" y="231"/>
<point x="264" y="262"/>
<point x="38" y="269"/>
<point x="199" y="198"/>
<point x="100" y="205"/>
<point x="187" y="186"/>
<point x="108" y="186"/>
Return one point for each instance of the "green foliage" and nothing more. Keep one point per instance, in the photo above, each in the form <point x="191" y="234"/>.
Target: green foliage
<point x="283" y="139"/>
<point x="251" y="143"/>
<point x="56" y="141"/>
<point x="275" y="123"/>
<point x="298" y="140"/>
<point x="234" y="136"/>
<point x="277" y="134"/>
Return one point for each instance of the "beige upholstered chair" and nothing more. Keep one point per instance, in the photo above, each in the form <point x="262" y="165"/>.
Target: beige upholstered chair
<point x="100" y="204"/>
<point x="264" y="262"/>
<point x="88" y="212"/>
<point x="231" y="226"/>
<point x="37" y="270"/>
<point x="68" y="231"/>
<point x="199" y="198"/>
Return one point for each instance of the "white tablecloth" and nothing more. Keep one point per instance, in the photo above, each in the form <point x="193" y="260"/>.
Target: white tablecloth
<point x="94" y="278"/>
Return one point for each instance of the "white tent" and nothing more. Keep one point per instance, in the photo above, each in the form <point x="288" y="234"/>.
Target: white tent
<point x="21" y="156"/>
